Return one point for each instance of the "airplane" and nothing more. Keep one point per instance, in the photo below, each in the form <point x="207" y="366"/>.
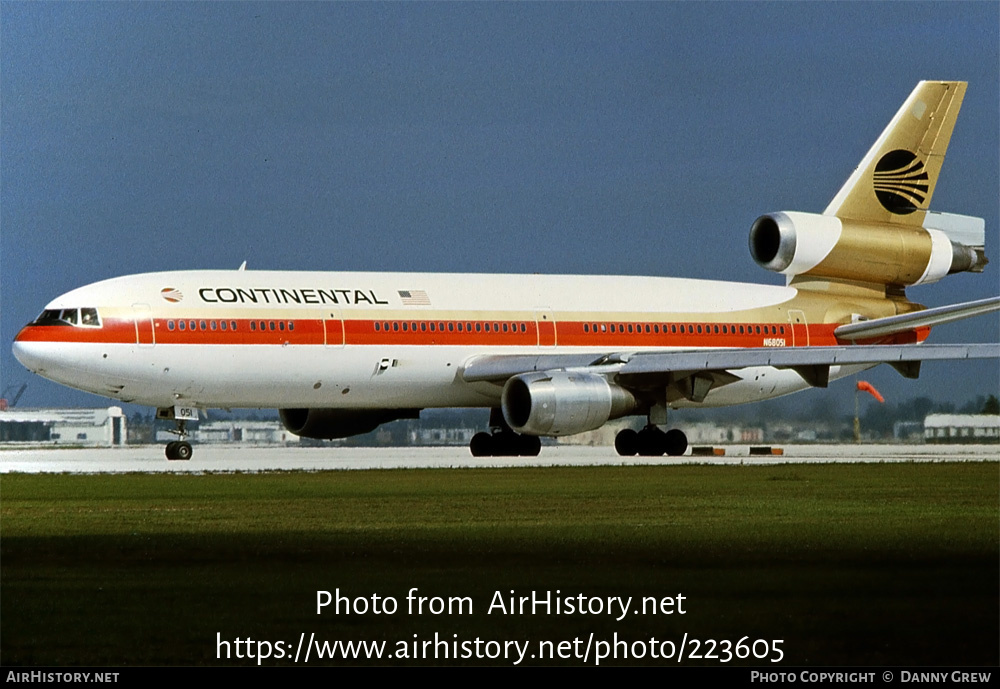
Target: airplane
<point x="339" y="353"/>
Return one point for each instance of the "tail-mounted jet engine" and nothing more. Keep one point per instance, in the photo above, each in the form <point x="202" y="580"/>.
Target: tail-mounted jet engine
<point x="562" y="403"/>
<point x="826" y="246"/>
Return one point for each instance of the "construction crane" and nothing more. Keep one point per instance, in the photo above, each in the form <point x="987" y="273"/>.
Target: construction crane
<point x="4" y="404"/>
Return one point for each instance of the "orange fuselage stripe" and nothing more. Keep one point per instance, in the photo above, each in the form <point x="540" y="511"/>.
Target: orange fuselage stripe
<point x="363" y="332"/>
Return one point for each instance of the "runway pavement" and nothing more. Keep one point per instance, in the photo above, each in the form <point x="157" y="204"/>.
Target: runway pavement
<point x="250" y="458"/>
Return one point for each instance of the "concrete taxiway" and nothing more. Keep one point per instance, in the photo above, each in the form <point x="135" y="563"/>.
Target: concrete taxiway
<point x="249" y="458"/>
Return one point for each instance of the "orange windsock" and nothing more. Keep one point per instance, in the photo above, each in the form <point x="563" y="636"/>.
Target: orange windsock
<point x="870" y="389"/>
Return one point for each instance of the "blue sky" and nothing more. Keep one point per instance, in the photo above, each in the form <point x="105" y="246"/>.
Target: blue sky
<point x="612" y="138"/>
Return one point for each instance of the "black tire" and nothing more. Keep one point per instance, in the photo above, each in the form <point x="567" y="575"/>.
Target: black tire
<point x="481" y="445"/>
<point x="529" y="445"/>
<point x="676" y="442"/>
<point x="506" y="444"/>
<point x="183" y="451"/>
<point x="651" y="442"/>
<point x="627" y="443"/>
<point x="171" y="450"/>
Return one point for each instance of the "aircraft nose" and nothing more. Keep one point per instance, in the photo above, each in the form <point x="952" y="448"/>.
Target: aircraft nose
<point x="28" y="352"/>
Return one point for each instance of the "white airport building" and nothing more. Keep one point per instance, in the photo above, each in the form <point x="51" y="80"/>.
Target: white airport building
<point x="237" y="432"/>
<point x="962" y="428"/>
<point x="76" y="427"/>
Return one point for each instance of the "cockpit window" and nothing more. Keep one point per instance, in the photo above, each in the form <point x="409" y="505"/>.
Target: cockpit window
<point x="85" y="317"/>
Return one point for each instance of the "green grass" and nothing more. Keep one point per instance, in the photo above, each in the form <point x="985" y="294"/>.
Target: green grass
<point x="849" y="564"/>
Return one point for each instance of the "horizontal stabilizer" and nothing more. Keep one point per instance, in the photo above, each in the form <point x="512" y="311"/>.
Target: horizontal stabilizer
<point x="879" y="327"/>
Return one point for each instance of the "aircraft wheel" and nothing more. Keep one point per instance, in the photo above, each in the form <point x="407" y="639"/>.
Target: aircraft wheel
<point x="627" y="443"/>
<point x="481" y="445"/>
<point x="506" y="444"/>
<point x="529" y="445"/>
<point x="676" y="442"/>
<point x="651" y="442"/>
<point x="179" y="450"/>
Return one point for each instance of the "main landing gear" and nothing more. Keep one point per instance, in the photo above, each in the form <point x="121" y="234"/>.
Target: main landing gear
<point x="650" y="442"/>
<point x="501" y="441"/>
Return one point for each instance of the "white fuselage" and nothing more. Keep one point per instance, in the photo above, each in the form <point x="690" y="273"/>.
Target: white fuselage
<point x="384" y="341"/>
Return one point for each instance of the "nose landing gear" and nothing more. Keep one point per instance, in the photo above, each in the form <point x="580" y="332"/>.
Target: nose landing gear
<point x="181" y="448"/>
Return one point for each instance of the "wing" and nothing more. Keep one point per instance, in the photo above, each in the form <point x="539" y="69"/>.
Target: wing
<point x="650" y="368"/>
<point x="695" y="372"/>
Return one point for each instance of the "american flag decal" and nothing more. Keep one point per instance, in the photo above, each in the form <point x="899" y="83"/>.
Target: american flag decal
<point x="414" y="297"/>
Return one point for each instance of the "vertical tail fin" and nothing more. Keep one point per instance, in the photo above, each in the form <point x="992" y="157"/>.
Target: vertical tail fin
<point x="895" y="181"/>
